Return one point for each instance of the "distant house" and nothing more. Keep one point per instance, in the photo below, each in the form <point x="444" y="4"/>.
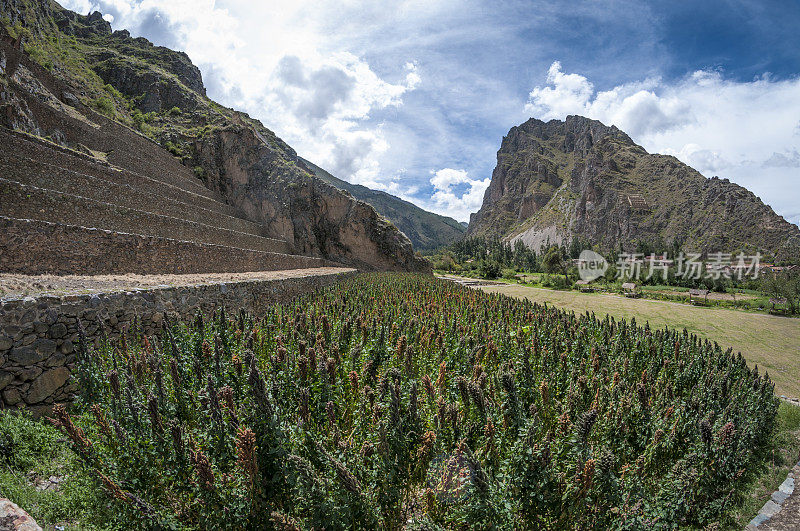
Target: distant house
<point x="629" y="289"/>
<point x="778" y="269"/>
<point x="778" y="301"/>
<point x="584" y="285"/>
<point x="695" y="295"/>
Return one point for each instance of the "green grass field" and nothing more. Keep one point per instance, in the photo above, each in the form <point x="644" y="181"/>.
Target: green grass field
<point x="771" y="342"/>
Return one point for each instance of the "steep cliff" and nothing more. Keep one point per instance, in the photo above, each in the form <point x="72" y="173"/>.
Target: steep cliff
<point x="559" y="180"/>
<point x="270" y="184"/>
<point x="158" y="92"/>
<point x="426" y="230"/>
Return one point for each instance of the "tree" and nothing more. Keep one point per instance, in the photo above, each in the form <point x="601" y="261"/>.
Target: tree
<point x="785" y="285"/>
<point x="611" y="272"/>
<point x="489" y="269"/>
<point x="553" y="262"/>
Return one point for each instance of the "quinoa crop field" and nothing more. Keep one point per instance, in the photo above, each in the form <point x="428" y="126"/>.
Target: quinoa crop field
<point x="400" y="401"/>
<point x="769" y="341"/>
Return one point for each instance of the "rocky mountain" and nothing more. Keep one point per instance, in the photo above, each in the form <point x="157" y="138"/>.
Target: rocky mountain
<point x="580" y="179"/>
<point x="84" y="67"/>
<point x="426" y="230"/>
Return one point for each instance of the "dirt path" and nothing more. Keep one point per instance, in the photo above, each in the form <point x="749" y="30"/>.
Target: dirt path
<point x="14" y="286"/>
<point x="770" y="341"/>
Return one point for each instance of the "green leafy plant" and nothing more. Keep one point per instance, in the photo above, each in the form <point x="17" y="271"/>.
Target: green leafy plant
<point x="105" y="105"/>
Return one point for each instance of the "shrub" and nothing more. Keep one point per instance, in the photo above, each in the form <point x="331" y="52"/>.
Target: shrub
<point x="173" y="148"/>
<point x="33" y="451"/>
<point x="105" y="106"/>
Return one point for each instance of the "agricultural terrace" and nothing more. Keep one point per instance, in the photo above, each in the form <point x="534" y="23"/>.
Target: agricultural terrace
<point x="392" y="398"/>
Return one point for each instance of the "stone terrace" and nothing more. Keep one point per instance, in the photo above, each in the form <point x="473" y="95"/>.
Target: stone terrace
<point x="42" y="182"/>
<point x="148" y="241"/>
<point x="40" y="316"/>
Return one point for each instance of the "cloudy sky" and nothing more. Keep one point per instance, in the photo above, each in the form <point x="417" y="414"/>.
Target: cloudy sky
<point x="414" y="96"/>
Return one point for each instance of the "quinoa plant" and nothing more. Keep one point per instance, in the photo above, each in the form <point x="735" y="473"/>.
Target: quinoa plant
<point x="398" y="400"/>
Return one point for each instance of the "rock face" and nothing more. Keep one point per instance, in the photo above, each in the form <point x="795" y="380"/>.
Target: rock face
<point x="561" y="180"/>
<point x="269" y="183"/>
<point x="153" y="91"/>
<point x="426" y="230"/>
<point x="12" y="517"/>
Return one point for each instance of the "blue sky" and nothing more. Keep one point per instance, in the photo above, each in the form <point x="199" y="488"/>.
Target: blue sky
<point x="414" y="97"/>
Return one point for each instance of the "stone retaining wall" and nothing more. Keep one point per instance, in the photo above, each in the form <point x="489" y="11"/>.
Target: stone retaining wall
<point x="22" y="201"/>
<point x="51" y="177"/>
<point x="39" y="335"/>
<point x="33" y="148"/>
<point x="33" y="247"/>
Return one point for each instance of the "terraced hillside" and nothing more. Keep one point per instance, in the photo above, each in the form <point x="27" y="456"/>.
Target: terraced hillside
<point x="115" y="161"/>
<point x="63" y="212"/>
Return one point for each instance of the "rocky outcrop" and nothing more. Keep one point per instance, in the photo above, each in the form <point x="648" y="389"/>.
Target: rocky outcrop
<point x="560" y="180"/>
<point x="71" y="23"/>
<point x="13" y="518"/>
<point x="150" y="89"/>
<point x="269" y="183"/>
<point x="36" y="16"/>
<point x="426" y="230"/>
<point x="174" y="62"/>
<point x="532" y="164"/>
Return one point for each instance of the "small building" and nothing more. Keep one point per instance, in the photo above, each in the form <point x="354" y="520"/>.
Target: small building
<point x="629" y="289"/>
<point x="698" y="295"/>
<point x="584" y="286"/>
<point x="780" y="302"/>
<point x="779" y="269"/>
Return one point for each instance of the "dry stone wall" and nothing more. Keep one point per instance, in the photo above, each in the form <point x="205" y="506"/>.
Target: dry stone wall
<point x="39" y="335"/>
<point x="34" y="247"/>
<point x="20" y="201"/>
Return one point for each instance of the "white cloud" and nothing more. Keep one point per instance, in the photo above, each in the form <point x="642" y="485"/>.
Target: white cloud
<point x="567" y="93"/>
<point x="741" y="130"/>
<point x="635" y="108"/>
<point x="270" y="60"/>
<point x="412" y="77"/>
<point x="783" y="160"/>
<point x="446" y="198"/>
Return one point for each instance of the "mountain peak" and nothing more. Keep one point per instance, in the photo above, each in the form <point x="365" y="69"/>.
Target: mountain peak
<point x="576" y="133"/>
<point x="569" y="179"/>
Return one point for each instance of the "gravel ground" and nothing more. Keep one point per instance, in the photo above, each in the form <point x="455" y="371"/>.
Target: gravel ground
<point x="14" y="286"/>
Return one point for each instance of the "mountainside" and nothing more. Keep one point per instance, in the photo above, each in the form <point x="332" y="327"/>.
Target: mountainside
<point x="426" y="230"/>
<point x="561" y="180"/>
<point x="71" y="72"/>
